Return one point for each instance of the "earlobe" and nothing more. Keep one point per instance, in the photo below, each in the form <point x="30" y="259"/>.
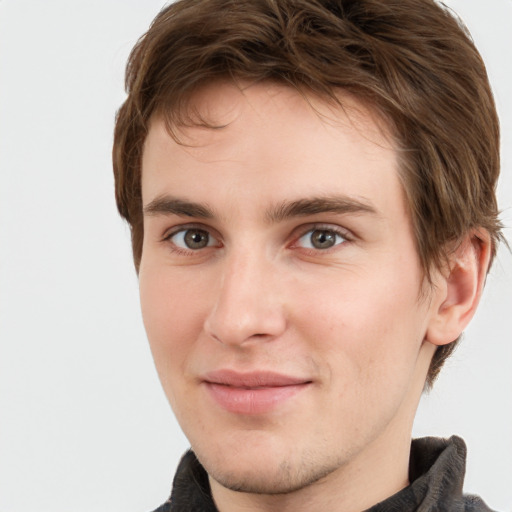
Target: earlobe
<point x="460" y="289"/>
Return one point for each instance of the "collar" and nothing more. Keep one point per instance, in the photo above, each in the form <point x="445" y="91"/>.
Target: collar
<point x="436" y="470"/>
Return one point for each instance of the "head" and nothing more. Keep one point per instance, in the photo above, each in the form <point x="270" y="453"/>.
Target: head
<point x="403" y="73"/>
<point x="412" y="62"/>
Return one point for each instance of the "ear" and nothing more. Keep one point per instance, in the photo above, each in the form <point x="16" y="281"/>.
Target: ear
<point x="458" y="290"/>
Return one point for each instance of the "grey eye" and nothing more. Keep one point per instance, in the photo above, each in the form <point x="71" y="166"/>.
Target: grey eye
<point x="192" y="239"/>
<point x="320" y="239"/>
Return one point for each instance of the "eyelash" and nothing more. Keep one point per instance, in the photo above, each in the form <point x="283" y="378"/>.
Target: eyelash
<point x="301" y="233"/>
<point x="329" y="228"/>
<point x="167" y="238"/>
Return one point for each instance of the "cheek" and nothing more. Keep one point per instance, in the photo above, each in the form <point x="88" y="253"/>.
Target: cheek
<point x="173" y="310"/>
<point x="369" y="324"/>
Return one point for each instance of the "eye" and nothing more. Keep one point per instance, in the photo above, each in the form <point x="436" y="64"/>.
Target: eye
<point x="321" y="239"/>
<point x="192" y="239"/>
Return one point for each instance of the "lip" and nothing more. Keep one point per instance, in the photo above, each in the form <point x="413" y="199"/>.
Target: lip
<point x="256" y="392"/>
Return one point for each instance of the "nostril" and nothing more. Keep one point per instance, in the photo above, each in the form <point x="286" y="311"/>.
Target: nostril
<point x="236" y="320"/>
<point x="215" y="337"/>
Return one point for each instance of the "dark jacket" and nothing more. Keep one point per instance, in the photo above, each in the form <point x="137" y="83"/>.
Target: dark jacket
<point x="436" y="473"/>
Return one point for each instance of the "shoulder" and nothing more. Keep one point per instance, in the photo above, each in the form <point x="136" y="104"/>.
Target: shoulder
<point x="475" y="504"/>
<point x="166" y="507"/>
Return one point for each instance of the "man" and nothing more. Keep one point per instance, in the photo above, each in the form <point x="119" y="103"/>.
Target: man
<point x="310" y="189"/>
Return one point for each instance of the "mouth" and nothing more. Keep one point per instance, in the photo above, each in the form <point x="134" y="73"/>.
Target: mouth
<point x="252" y="393"/>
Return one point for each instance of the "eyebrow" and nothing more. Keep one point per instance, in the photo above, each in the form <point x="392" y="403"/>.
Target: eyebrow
<point x="315" y="205"/>
<point x="166" y="205"/>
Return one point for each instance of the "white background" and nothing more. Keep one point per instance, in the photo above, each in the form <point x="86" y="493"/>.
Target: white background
<point x="84" y="425"/>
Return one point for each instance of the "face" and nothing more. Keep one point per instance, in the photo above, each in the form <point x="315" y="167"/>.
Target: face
<point x="280" y="287"/>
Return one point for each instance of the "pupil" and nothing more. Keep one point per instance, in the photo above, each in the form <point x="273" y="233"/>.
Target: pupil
<point x="196" y="239"/>
<point x="323" y="239"/>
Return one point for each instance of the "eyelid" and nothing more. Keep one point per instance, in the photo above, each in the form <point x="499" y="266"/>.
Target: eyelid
<point x="169" y="233"/>
<point x="321" y="226"/>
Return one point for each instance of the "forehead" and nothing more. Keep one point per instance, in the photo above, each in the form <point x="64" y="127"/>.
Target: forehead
<point x="222" y="104"/>
<point x="266" y="141"/>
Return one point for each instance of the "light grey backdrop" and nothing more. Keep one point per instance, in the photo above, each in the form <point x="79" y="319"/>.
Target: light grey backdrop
<point x="84" y="425"/>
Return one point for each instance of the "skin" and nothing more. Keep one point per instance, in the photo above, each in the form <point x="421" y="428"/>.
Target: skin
<point x="353" y="320"/>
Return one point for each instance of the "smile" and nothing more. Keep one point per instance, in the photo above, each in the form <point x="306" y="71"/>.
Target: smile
<point x="252" y="393"/>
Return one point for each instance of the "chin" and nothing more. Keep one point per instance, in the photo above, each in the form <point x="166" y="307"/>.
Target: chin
<point x="271" y="475"/>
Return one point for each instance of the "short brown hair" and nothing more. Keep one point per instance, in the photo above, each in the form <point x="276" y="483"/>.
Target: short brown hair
<point x="410" y="60"/>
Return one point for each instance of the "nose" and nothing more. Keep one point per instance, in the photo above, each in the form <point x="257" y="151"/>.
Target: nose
<point x="248" y="304"/>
